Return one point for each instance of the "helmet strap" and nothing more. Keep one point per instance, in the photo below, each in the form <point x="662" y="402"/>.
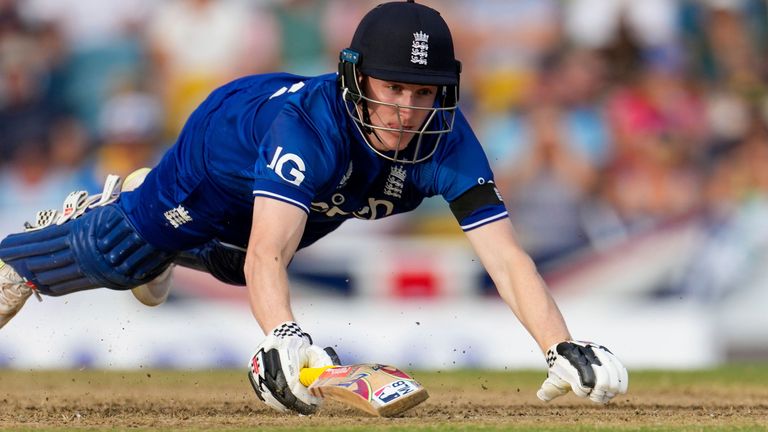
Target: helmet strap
<point x="365" y="113"/>
<point x="366" y="116"/>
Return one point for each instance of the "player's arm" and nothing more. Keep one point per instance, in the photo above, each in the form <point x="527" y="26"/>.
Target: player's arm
<point x="587" y="369"/>
<point x="518" y="282"/>
<point x="275" y="233"/>
<point x="298" y="157"/>
<point x="483" y="217"/>
<point x="274" y="370"/>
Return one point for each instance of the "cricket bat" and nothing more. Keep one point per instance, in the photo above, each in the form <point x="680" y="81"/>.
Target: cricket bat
<point x="377" y="389"/>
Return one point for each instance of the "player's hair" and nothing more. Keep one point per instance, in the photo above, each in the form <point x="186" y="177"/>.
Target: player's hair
<point x="408" y="43"/>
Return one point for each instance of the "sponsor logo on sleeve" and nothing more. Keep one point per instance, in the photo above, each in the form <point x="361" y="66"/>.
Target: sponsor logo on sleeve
<point x="295" y="169"/>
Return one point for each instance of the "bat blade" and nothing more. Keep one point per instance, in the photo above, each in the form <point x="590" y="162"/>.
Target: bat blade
<point x="379" y="390"/>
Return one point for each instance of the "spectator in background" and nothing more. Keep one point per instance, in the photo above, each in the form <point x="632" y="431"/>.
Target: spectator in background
<point x="550" y="152"/>
<point x="732" y="40"/>
<point x="547" y="187"/>
<point x="103" y="42"/>
<point x="338" y="25"/>
<point x="301" y="33"/>
<point x="658" y="128"/>
<point x="70" y="145"/>
<point x="579" y="86"/>
<point x="30" y="59"/>
<point x="731" y="61"/>
<point x="54" y="52"/>
<point x="728" y="120"/>
<point x="734" y="231"/>
<point x="502" y="43"/>
<point x="198" y="44"/>
<point x="24" y="110"/>
<point x="30" y="183"/>
<point x="130" y="136"/>
<point x="90" y="23"/>
<point x="596" y="23"/>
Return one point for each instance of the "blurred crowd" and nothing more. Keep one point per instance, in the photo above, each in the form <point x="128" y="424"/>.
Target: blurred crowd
<point x="601" y="118"/>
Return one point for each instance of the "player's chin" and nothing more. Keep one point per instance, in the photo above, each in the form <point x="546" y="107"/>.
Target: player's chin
<point x="397" y="141"/>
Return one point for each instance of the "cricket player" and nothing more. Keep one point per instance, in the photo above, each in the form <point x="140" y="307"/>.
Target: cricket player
<point x="269" y="164"/>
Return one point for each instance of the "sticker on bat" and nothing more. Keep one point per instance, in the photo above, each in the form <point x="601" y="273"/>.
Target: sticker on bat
<point x="393" y="391"/>
<point x="393" y="371"/>
<point x="336" y="371"/>
<point x="359" y="385"/>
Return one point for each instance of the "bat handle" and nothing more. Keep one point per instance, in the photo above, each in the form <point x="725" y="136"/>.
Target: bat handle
<point x="308" y="375"/>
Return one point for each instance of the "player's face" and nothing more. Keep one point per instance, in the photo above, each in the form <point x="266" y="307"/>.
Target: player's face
<point x="402" y="117"/>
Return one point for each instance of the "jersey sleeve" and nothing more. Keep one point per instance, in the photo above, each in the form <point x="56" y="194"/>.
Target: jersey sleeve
<point x="465" y="180"/>
<point x="295" y="160"/>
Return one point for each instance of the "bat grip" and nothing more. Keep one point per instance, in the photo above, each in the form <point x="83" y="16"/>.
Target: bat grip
<point x="308" y="375"/>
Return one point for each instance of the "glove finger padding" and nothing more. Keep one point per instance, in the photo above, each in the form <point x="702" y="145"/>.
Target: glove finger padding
<point x="553" y="387"/>
<point x="274" y="369"/>
<point x="623" y="378"/>
<point x="588" y="369"/>
<point x="608" y="382"/>
<point x="605" y="377"/>
<point x="618" y="382"/>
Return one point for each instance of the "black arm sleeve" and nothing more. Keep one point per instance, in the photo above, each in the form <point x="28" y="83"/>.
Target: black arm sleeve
<point x="482" y="195"/>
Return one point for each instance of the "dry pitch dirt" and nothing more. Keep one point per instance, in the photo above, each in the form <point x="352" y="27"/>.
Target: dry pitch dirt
<point x="223" y="400"/>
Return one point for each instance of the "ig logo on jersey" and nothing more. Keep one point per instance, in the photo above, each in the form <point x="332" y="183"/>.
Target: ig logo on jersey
<point x="296" y="173"/>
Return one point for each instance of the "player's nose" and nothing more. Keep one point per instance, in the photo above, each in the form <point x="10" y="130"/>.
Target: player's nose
<point x="405" y="116"/>
<point x="405" y="110"/>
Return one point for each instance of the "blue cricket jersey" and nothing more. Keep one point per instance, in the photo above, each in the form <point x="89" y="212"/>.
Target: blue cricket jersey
<point x="290" y="138"/>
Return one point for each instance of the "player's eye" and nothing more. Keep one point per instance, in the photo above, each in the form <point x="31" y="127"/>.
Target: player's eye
<point x="395" y="88"/>
<point x="425" y="92"/>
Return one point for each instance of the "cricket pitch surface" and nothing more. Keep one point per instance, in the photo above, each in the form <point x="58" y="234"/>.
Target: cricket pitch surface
<point x="728" y="398"/>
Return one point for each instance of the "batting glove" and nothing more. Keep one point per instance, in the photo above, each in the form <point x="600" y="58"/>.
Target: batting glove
<point x="588" y="369"/>
<point x="274" y="369"/>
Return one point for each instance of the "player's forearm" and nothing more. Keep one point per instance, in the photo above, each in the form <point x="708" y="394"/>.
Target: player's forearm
<point x="268" y="289"/>
<point x="518" y="282"/>
<point x="524" y="291"/>
<point x="276" y="230"/>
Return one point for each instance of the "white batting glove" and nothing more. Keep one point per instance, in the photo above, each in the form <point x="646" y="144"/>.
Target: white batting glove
<point x="274" y="370"/>
<point x="590" y="370"/>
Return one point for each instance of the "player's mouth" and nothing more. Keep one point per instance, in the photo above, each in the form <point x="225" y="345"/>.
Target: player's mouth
<point x="400" y="127"/>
